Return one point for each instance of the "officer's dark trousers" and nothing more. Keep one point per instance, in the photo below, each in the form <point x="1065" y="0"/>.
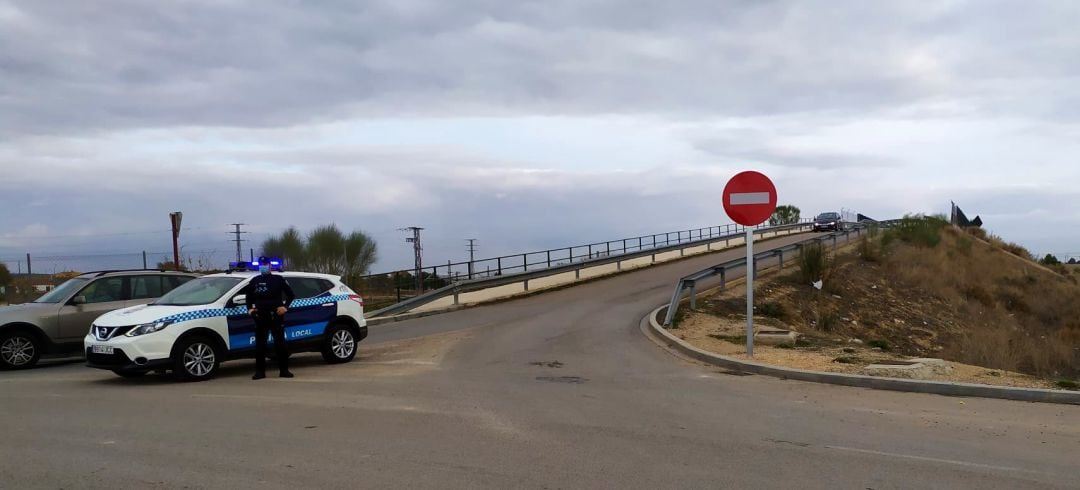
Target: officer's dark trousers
<point x="269" y="322"/>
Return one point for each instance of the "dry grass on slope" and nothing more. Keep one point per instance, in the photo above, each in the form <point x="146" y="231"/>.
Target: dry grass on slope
<point x="929" y="289"/>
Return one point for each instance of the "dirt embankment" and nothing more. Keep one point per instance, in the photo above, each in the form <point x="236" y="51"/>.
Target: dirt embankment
<point x="999" y="318"/>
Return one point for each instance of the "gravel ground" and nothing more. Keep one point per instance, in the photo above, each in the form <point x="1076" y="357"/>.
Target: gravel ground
<point x="698" y="328"/>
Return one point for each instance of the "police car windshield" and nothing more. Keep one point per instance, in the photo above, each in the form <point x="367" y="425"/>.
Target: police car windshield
<point x="202" y="291"/>
<point x="62" y="291"/>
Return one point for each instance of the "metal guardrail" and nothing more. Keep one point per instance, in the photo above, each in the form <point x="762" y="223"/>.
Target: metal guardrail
<point x="525" y="276"/>
<point x="543" y="259"/>
<point x="690" y="281"/>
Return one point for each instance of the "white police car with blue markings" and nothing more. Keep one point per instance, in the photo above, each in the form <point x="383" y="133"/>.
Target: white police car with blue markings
<point x="195" y="327"/>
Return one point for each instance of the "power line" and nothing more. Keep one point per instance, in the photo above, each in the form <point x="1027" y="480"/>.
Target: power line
<point x="94" y="235"/>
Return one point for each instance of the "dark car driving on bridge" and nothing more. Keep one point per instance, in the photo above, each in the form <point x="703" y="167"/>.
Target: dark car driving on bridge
<point x="828" y="222"/>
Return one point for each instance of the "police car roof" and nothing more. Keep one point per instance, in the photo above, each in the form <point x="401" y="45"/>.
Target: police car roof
<point x="247" y="274"/>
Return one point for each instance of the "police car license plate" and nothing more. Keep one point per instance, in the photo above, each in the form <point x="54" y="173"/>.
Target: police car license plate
<point x="103" y="349"/>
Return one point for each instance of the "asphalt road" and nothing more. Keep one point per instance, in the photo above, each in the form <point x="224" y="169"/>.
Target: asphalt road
<point x="558" y="390"/>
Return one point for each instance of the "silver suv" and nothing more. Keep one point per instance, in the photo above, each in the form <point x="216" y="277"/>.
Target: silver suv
<point x="57" y="322"/>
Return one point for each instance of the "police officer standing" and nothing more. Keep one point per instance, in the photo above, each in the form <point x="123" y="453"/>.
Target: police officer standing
<point x="268" y="297"/>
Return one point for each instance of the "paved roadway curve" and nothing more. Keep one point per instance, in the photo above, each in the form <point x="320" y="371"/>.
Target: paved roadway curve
<point x="558" y="390"/>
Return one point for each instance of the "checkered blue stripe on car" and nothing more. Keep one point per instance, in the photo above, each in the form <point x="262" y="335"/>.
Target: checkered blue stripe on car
<point x="241" y="310"/>
<point x="318" y="300"/>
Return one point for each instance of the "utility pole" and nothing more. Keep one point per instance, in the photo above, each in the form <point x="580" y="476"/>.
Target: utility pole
<point x="418" y="251"/>
<point x="472" y="251"/>
<point x="237" y="232"/>
<point x="175" y="219"/>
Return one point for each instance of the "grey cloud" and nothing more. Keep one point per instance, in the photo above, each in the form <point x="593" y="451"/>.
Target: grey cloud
<point x="98" y="66"/>
<point x="760" y="147"/>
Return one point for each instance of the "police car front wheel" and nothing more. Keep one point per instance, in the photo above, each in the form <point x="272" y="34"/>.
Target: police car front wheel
<point x="340" y="344"/>
<point x="196" y="359"/>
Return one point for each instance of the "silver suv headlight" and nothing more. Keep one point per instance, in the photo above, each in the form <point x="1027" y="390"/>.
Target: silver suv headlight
<point x="146" y="328"/>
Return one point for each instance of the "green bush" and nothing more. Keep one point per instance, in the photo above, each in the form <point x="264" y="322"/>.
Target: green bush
<point x="918" y="230"/>
<point x="815" y="264"/>
<point x="1068" y="384"/>
<point x="773" y="310"/>
<point x="828" y="321"/>
<point x="868" y="249"/>
<point x="880" y="344"/>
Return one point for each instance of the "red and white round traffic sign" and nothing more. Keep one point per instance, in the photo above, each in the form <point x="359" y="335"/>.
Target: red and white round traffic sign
<point x="749" y="198"/>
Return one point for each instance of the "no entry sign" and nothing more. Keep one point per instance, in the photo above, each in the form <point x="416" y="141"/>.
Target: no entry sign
<point x="749" y="198"/>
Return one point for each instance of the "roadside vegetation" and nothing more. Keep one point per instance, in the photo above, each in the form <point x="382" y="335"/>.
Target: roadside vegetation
<point x="927" y="289"/>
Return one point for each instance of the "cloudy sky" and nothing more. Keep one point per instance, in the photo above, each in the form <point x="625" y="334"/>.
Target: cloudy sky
<point x="527" y="124"/>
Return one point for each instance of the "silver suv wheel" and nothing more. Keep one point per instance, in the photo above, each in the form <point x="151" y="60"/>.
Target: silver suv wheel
<point x="342" y="344"/>
<point x="17" y="351"/>
<point x="199" y="359"/>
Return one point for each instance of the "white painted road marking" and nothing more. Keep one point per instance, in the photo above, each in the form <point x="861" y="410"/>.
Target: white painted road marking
<point x="933" y="460"/>
<point x="749" y="198"/>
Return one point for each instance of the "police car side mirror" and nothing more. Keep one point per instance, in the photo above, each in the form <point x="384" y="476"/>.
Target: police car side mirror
<point x="239" y="299"/>
<point x="78" y="300"/>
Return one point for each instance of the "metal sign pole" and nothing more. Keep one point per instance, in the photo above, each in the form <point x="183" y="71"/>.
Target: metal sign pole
<point x="750" y="292"/>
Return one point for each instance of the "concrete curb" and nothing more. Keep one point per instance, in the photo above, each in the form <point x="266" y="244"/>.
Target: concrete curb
<point x="892" y="384"/>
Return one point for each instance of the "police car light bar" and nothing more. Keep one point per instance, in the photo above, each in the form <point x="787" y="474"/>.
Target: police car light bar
<point x="275" y="265"/>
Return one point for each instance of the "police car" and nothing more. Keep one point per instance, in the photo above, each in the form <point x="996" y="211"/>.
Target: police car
<point x="196" y="326"/>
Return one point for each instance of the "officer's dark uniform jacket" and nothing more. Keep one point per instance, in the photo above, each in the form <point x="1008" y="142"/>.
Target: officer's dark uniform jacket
<point x="267" y="292"/>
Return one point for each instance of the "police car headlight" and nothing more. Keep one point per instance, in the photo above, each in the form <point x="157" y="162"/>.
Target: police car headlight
<point x="146" y="328"/>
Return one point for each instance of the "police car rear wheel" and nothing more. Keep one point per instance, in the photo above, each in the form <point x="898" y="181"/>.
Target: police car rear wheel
<point x="340" y="344"/>
<point x="196" y="359"/>
<point x="18" y="350"/>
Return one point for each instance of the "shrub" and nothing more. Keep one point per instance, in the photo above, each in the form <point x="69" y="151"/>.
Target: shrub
<point x="879" y="343"/>
<point x="828" y="321"/>
<point x="918" y="230"/>
<point x="980" y="294"/>
<point x="774" y="310"/>
<point x="815" y="264"/>
<point x="1013" y="301"/>
<point x="976" y="232"/>
<point x="1017" y="250"/>
<point x="1000" y="347"/>
<point x="1068" y="384"/>
<point x="868" y="249"/>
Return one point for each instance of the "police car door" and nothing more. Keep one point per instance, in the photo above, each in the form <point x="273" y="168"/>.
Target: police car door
<point x="309" y="314"/>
